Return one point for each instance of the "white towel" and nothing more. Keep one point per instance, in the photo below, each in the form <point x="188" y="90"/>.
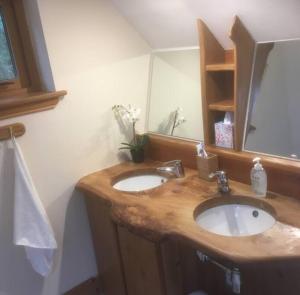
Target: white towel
<point x="32" y="228"/>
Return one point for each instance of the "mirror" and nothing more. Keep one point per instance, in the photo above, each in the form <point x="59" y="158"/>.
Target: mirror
<point x="175" y="107"/>
<point x="273" y="113"/>
<point x="7" y="66"/>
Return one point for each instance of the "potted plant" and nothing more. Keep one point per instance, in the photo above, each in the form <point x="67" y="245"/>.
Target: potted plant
<point x="130" y="115"/>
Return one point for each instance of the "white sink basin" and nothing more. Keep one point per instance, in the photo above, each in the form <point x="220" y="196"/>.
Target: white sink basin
<point x="136" y="183"/>
<point x="235" y="220"/>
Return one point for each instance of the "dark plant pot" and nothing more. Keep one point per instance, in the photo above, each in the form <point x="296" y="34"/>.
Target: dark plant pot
<point x="137" y="156"/>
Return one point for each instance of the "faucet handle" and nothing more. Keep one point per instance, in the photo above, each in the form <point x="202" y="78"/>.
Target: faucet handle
<point x="219" y="174"/>
<point x="173" y="163"/>
<point x="223" y="185"/>
<point x="176" y="166"/>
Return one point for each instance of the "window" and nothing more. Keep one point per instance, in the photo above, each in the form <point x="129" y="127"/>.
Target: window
<point x="21" y="89"/>
<point x="7" y="63"/>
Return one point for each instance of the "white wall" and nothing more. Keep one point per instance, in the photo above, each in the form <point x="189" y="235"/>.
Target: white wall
<point x="100" y="60"/>
<point x="172" y="23"/>
<point x="175" y="83"/>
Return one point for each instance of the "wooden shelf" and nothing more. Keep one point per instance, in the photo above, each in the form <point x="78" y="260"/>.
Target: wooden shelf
<point x="225" y="75"/>
<point x="220" y="67"/>
<point x="226" y="105"/>
<point x="27" y="103"/>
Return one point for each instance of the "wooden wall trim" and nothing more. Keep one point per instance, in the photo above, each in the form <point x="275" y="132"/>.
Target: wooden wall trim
<point x="26" y="94"/>
<point x="283" y="174"/>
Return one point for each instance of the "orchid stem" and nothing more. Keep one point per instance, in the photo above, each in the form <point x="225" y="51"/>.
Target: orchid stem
<point x="134" y="133"/>
<point x="174" y="122"/>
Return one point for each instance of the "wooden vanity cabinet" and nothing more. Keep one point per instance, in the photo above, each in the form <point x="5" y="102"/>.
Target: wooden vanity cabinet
<point x="166" y="268"/>
<point x="149" y="268"/>
<point x="105" y="239"/>
<point x="129" y="264"/>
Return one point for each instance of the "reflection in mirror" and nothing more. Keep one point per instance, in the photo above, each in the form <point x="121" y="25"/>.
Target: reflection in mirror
<point x="7" y="66"/>
<point x="273" y="113"/>
<point x="175" y="107"/>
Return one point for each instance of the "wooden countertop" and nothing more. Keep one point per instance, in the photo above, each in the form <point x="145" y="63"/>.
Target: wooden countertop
<point x="168" y="211"/>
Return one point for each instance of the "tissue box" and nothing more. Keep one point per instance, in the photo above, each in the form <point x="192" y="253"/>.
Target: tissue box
<point x="224" y="135"/>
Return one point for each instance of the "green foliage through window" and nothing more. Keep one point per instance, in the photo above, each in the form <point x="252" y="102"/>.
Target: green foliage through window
<point x="7" y="66"/>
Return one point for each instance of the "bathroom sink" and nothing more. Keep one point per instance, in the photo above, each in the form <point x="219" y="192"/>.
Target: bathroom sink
<point x="235" y="216"/>
<point x="139" y="182"/>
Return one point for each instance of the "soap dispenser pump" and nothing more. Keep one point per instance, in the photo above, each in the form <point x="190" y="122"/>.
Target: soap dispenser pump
<point x="258" y="178"/>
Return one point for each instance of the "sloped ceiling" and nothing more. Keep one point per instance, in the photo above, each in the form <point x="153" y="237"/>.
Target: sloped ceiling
<point x="172" y="23"/>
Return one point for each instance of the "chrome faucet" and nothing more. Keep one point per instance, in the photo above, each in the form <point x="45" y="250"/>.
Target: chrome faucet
<point x="223" y="185"/>
<point x="174" y="167"/>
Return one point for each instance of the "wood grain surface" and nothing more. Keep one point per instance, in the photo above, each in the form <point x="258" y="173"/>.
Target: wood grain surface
<point x="283" y="174"/>
<point x="168" y="211"/>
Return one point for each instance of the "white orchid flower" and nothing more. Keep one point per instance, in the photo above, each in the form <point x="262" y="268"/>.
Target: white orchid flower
<point x="177" y="119"/>
<point x="181" y="119"/>
<point x="136" y="114"/>
<point x="133" y="114"/>
<point x="130" y="115"/>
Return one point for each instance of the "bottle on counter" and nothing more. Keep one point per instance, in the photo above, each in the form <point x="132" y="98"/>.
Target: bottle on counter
<point x="258" y="178"/>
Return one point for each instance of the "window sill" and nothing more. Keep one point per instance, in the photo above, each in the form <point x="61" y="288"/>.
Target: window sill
<point x="28" y="103"/>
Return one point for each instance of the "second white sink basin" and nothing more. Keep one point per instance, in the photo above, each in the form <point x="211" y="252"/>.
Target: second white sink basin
<point x="235" y="220"/>
<point x="136" y="183"/>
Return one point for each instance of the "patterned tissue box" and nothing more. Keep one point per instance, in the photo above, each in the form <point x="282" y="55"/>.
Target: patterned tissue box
<point x="224" y="135"/>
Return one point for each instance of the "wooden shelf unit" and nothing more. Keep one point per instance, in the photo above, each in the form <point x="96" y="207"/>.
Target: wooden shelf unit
<point x="225" y="105"/>
<point x="225" y="79"/>
<point x="220" y="67"/>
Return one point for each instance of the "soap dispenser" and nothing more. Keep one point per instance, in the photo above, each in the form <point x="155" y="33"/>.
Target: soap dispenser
<point x="258" y="178"/>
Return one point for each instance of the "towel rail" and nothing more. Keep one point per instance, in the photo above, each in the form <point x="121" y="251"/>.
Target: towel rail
<point x="17" y="129"/>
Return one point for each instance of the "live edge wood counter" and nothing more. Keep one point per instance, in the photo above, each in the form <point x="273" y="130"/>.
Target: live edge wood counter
<point x="168" y="212"/>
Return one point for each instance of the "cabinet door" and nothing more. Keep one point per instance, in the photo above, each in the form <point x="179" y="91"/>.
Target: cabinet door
<point x="173" y="278"/>
<point x="105" y="238"/>
<point x="142" y="264"/>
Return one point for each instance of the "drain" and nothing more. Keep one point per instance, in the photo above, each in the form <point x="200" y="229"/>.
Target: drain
<point x="255" y="213"/>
